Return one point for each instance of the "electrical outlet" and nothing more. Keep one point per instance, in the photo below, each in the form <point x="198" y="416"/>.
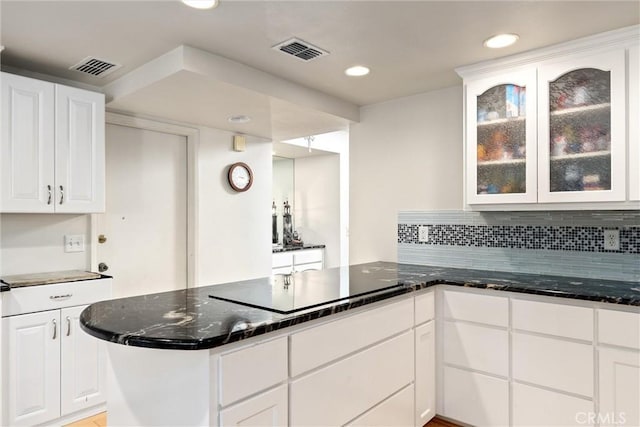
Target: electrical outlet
<point x="612" y="240"/>
<point x="423" y="233"/>
<point x="74" y="243"/>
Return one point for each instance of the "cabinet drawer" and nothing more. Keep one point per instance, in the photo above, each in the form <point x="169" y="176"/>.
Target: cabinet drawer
<point x="304" y="267"/>
<point x="476" y="308"/>
<point x="424" y="307"/>
<point x="395" y="411"/>
<point x="347" y="335"/>
<point x="265" y="410"/>
<point x="553" y="319"/>
<point x="476" y="347"/>
<point x="475" y="399"/>
<point x="264" y="364"/>
<point x="554" y="363"/>
<point x="619" y="328"/>
<point x="282" y="259"/>
<point x="31" y="299"/>
<point x="534" y="406"/>
<point x="307" y="256"/>
<point x="282" y="270"/>
<point x="353" y="385"/>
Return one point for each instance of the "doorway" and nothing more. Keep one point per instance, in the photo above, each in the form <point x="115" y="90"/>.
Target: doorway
<point x="145" y="226"/>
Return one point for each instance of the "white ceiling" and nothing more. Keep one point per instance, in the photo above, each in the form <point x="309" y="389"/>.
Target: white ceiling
<point x="411" y="47"/>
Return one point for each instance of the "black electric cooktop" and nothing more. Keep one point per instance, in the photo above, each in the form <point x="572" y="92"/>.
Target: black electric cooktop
<point x="286" y="294"/>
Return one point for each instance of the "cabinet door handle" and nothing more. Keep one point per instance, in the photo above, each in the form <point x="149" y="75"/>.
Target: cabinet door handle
<point x="61" y="194"/>
<point x="55" y="329"/>
<point x="55" y="297"/>
<point x="68" y="326"/>
<point x="49" y="198"/>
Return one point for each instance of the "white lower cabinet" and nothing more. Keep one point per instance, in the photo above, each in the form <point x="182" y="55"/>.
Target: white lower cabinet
<point x="475" y="398"/>
<point x="619" y="391"/>
<point x="425" y="376"/>
<point x="352" y="385"/>
<point x="549" y="362"/>
<point x="533" y="406"/>
<point x="33" y="359"/>
<point x="55" y="369"/>
<point x="268" y="409"/>
<point x="52" y="371"/>
<point x="395" y="411"/>
<point x="83" y="362"/>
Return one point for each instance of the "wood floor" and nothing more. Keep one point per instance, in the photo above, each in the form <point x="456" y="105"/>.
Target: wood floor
<point x="100" y="420"/>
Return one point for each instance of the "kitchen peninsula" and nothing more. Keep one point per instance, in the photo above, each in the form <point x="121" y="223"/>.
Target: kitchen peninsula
<point x="285" y="345"/>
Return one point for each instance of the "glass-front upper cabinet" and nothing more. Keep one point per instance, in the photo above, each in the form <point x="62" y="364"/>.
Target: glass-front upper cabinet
<point x="581" y="111"/>
<point x="501" y="139"/>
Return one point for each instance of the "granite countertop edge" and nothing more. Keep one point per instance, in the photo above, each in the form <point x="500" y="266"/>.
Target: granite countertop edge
<point x="296" y="248"/>
<point x="240" y="322"/>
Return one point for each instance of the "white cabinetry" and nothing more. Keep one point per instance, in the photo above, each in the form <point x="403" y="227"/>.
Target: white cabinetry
<point x="582" y="143"/>
<point x="83" y="362"/>
<point x="52" y="369"/>
<point x="634" y="123"/>
<point x="425" y="348"/>
<point x="52" y="145"/>
<point x="475" y="343"/>
<point x="547" y="129"/>
<point x="619" y="368"/>
<point x="33" y="360"/>
<point x="265" y="410"/>
<point x="297" y="260"/>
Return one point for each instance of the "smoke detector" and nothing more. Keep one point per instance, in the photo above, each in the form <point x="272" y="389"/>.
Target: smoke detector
<point x="300" y="49"/>
<point x="95" y="67"/>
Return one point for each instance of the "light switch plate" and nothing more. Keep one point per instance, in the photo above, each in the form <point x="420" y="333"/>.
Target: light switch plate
<point x="74" y="243"/>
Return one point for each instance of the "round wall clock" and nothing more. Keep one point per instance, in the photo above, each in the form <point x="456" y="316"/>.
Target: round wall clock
<point x="240" y="176"/>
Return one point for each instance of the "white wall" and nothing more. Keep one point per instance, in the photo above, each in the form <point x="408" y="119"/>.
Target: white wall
<point x="406" y="154"/>
<point x="234" y="242"/>
<point x="32" y="243"/>
<point x="317" y="207"/>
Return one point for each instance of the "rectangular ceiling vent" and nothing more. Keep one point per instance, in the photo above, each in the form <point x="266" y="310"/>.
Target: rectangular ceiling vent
<point x="300" y="49"/>
<point x="95" y="67"/>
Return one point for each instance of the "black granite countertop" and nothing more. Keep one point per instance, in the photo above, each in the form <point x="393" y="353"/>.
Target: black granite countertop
<point x="296" y="248"/>
<point x="191" y="320"/>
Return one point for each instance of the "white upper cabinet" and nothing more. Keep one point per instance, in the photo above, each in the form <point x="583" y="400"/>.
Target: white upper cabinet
<point x="501" y="138"/>
<point x="27" y="145"/>
<point x="79" y="159"/>
<point x="634" y="123"/>
<point x="52" y="147"/>
<point x="547" y="129"/>
<point x="582" y="144"/>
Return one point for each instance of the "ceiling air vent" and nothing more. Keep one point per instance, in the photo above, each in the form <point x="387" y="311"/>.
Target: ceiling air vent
<point x="95" y="67"/>
<point x="300" y="49"/>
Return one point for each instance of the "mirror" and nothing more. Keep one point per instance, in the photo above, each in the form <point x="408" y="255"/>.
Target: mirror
<point x="283" y="188"/>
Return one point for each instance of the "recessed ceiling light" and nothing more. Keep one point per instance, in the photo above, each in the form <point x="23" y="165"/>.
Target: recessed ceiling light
<point x="239" y="119"/>
<point x="501" y="40"/>
<point x="201" y="4"/>
<point x="357" y="71"/>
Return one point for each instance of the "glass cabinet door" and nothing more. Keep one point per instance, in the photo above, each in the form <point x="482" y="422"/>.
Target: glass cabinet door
<point x="582" y="137"/>
<point x="501" y="138"/>
<point x="634" y="123"/>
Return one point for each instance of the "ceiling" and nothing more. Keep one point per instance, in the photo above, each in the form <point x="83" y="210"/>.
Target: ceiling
<point x="411" y="47"/>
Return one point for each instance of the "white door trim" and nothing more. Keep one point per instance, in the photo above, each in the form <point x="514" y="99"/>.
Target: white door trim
<point x="192" y="136"/>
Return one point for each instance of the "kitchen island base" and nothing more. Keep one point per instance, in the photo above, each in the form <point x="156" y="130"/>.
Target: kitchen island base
<point x="358" y="368"/>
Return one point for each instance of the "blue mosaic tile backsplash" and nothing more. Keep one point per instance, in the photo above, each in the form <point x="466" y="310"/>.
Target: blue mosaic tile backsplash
<point x="558" y="243"/>
<point x="554" y="238"/>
